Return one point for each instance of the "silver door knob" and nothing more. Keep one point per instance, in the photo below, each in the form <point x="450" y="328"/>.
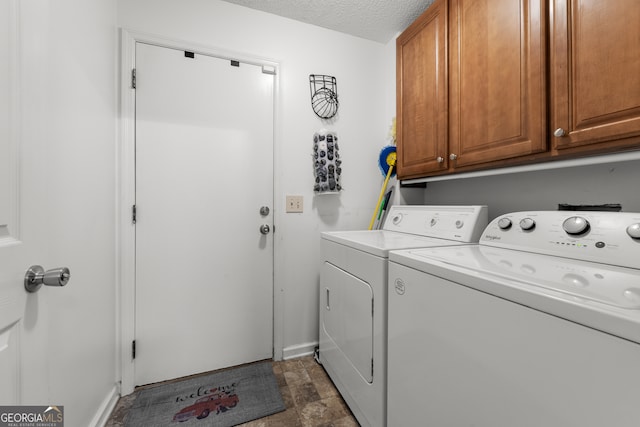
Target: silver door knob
<point x="439" y="159"/>
<point x="35" y="277"/>
<point x="559" y="133"/>
<point x="265" y="229"/>
<point x="453" y="156"/>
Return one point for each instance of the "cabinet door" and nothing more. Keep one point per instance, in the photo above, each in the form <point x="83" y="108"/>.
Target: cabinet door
<point x="595" y="74"/>
<point x="497" y="80"/>
<point x="421" y="119"/>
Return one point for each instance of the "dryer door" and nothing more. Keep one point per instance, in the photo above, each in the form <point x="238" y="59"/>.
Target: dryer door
<point x="347" y="319"/>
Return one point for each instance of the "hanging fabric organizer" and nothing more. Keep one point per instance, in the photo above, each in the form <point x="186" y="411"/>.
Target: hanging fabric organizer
<point x="326" y="162"/>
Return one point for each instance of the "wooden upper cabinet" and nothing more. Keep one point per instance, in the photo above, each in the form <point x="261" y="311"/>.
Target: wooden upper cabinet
<point x="492" y="83"/>
<point x="497" y="101"/>
<point x="421" y="118"/>
<point x="595" y="75"/>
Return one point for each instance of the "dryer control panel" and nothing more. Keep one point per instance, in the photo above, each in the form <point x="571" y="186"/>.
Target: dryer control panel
<point x="604" y="237"/>
<point x="460" y="223"/>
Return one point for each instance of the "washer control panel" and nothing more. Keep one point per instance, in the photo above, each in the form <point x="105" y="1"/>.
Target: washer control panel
<point x="604" y="237"/>
<point x="460" y="223"/>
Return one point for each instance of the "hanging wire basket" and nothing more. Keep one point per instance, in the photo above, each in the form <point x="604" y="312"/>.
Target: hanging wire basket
<point x="324" y="95"/>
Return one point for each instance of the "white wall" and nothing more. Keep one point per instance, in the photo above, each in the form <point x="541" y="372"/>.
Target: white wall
<point x="67" y="67"/>
<point x="362" y="125"/>
<point x="544" y="190"/>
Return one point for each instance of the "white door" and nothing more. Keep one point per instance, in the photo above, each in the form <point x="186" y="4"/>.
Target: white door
<point x="204" y="169"/>
<point x="12" y="301"/>
<point x="23" y="234"/>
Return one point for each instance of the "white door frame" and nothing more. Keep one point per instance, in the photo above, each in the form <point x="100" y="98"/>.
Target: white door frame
<point x="125" y="229"/>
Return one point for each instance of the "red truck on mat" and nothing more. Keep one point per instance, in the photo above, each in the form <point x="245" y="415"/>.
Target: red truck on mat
<point x="216" y="402"/>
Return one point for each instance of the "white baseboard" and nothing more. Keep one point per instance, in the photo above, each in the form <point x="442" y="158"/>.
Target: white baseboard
<point x="104" y="411"/>
<point x="299" y="350"/>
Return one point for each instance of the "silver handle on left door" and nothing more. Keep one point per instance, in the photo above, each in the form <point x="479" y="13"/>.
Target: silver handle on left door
<point x="559" y="133"/>
<point x="35" y="277"/>
<point x="265" y="229"/>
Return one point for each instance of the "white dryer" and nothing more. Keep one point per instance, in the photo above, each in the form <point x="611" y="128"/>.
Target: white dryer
<point x="353" y="296"/>
<point x="538" y="325"/>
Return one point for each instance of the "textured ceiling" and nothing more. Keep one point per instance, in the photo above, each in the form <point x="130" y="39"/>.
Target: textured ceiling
<point x="377" y="20"/>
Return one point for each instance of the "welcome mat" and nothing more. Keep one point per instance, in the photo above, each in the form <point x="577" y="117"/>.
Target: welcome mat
<point x="223" y="399"/>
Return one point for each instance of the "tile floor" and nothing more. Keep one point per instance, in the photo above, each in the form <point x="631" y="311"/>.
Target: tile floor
<point x="311" y="399"/>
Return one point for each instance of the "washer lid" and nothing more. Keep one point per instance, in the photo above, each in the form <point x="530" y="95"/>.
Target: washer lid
<point x="601" y="296"/>
<point x="380" y="242"/>
<point x="616" y="286"/>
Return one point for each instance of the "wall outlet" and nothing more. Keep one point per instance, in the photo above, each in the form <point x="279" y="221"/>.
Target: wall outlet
<point x="294" y="204"/>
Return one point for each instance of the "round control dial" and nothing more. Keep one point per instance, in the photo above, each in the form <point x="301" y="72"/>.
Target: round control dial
<point x="504" y="223"/>
<point x="527" y="224"/>
<point x="634" y="231"/>
<point x="575" y="225"/>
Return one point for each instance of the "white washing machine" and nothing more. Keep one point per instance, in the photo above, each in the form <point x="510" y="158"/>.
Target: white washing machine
<point x="538" y="325"/>
<point x="353" y="294"/>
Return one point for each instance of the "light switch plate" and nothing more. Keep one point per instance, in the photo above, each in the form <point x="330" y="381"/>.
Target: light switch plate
<point x="294" y="204"/>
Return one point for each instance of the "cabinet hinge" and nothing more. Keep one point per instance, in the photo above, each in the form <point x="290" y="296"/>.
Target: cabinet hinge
<point x="133" y="78"/>
<point x="133" y="349"/>
<point x="133" y="214"/>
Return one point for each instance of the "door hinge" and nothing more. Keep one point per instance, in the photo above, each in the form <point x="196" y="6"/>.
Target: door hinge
<point x="133" y="78"/>
<point x="371" y="368"/>
<point x="133" y="214"/>
<point x="371" y="307"/>
<point x="133" y="349"/>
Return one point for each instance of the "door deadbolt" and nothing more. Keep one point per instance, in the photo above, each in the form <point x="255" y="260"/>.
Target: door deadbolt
<point x="264" y="211"/>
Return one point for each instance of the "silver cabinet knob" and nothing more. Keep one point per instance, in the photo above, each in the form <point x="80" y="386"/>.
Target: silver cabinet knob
<point x="265" y="229"/>
<point x="35" y="277"/>
<point x="559" y="133"/>
<point x="453" y="156"/>
<point x="439" y="159"/>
